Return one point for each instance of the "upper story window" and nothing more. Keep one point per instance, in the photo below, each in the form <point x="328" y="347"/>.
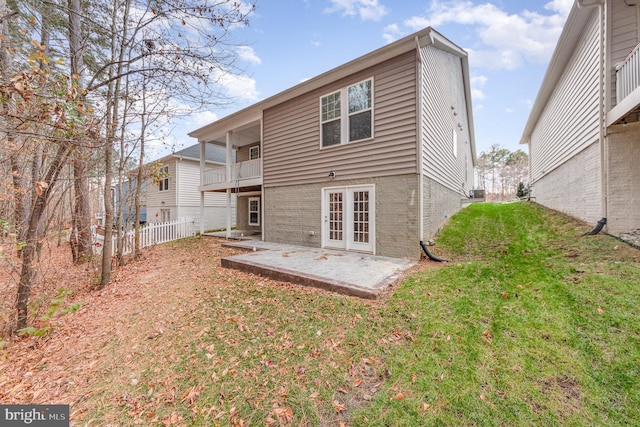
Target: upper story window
<point x="163" y="182"/>
<point x="254" y="152"/>
<point x="347" y="115"/>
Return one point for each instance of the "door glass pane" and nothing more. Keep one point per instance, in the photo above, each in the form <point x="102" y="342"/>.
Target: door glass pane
<point x="335" y="216"/>
<point x="361" y="217"/>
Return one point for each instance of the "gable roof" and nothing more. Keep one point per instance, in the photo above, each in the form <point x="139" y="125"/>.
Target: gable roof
<point x="213" y="153"/>
<point x="422" y="38"/>
<point x="566" y="46"/>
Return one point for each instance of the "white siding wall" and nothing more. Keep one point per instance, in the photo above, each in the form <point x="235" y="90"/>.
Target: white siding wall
<point x="569" y="123"/>
<point x="443" y="88"/>
<point x="183" y="197"/>
<point x="215" y="212"/>
<point x="188" y="195"/>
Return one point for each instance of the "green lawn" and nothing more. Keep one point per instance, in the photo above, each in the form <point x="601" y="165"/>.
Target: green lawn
<point x="530" y="324"/>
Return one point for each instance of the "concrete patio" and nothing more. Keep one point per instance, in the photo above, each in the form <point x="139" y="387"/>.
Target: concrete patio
<point x="349" y="273"/>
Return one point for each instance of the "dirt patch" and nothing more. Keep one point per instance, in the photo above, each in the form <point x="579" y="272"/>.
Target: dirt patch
<point x="566" y="392"/>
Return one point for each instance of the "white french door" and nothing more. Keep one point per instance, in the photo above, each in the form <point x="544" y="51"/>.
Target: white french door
<point x="349" y="218"/>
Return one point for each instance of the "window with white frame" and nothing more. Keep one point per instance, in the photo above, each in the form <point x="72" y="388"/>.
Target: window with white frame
<point x="254" y="211"/>
<point x="347" y="115"/>
<point x="254" y="152"/>
<point x="163" y="181"/>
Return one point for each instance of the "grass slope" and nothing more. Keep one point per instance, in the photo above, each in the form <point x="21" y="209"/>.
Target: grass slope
<point x="535" y="325"/>
<point x="531" y="324"/>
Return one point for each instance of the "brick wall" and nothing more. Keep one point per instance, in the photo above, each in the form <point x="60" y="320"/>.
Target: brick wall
<point x="292" y="212"/>
<point x="574" y="187"/>
<point x="624" y="180"/>
<point x="440" y="203"/>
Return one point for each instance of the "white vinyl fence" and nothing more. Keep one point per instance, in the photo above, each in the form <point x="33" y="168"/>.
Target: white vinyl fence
<point x="150" y="234"/>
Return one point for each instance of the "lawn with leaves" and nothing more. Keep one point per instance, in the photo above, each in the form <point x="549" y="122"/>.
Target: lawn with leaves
<point x="530" y="324"/>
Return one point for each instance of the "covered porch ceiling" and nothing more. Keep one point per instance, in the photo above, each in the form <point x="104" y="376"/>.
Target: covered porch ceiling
<point x="247" y="134"/>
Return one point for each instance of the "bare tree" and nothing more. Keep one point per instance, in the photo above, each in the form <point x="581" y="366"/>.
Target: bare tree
<point x="499" y="171"/>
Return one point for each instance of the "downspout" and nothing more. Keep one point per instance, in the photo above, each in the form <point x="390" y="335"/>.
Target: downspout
<point x="203" y="149"/>
<point x="178" y="188"/>
<point x="604" y="170"/>
<point x="431" y="256"/>
<point x="419" y="124"/>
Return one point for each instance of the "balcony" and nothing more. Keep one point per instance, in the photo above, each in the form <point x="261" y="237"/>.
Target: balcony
<point x="627" y="109"/>
<point x="243" y="174"/>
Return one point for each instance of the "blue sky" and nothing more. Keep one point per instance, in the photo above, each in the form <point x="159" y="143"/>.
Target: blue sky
<point x="509" y="42"/>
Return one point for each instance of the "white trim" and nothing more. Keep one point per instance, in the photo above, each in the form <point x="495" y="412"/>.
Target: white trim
<point x="345" y="115"/>
<point x="164" y="179"/>
<point x="257" y="146"/>
<point x="253" y="199"/>
<point x="348" y="219"/>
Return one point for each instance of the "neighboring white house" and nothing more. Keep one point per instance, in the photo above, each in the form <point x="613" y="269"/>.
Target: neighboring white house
<point x="173" y="194"/>
<point x="583" y="132"/>
<point x="372" y="156"/>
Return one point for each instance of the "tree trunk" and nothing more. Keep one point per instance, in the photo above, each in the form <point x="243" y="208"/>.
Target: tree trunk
<point x="107" y="249"/>
<point x="143" y="131"/>
<point x="32" y="239"/>
<point x="112" y="100"/>
<point x="82" y="210"/>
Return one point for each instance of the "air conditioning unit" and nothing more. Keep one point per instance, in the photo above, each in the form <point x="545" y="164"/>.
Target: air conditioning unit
<point x="476" y="194"/>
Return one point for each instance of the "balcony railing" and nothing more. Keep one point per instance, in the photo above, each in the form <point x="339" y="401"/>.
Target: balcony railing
<point x="628" y="75"/>
<point x="239" y="172"/>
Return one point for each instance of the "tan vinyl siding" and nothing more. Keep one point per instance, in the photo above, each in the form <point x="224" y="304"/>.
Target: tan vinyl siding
<point x="292" y="153"/>
<point x="625" y="35"/>
<point x="569" y="122"/>
<point x="443" y="88"/>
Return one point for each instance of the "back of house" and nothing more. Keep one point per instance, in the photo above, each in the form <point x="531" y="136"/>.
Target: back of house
<point x="372" y="156"/>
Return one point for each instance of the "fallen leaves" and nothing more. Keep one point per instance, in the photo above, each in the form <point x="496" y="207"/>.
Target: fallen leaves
<point x="338" y="407"/>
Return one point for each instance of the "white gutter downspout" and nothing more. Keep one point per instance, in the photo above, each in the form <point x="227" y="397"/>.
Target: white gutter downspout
<point x="228" y="180"/>
<point x="604" y="158"/>
<point x="202" y="166"/>
<point x="262" y="208"/>
<point x="419" y="125"/>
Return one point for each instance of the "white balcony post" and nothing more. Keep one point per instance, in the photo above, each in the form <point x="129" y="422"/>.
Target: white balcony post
<point x="229" y="153"/>
<point x="228" y="234"/>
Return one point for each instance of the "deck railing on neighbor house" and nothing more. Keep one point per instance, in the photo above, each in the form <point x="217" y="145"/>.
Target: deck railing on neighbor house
<point x="150" y="234"/>
<point x="628" y="75"/>
<point x="239" y="171"/>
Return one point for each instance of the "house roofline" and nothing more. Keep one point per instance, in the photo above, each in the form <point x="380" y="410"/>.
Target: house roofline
<point x="253" y="113"/>
<point x="565" y="47"/>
